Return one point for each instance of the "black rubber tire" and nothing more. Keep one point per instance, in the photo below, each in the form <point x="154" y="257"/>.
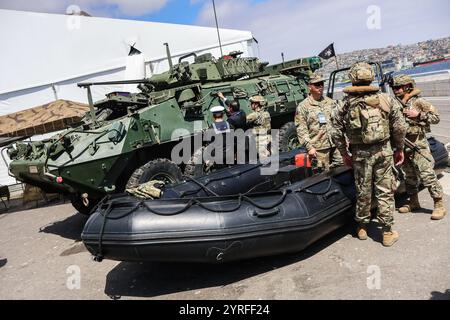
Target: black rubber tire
<point x="154" y="169"/>
<point x="288" y="136"/>
<point x="77" y="203"/>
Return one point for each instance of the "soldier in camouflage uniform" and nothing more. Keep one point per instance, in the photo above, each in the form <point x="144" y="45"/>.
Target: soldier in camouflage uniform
<point x="259" y="122"/>
<point x="370" y="120"/>
<point x="313" y="121"/>
<point x="419" y="114"/>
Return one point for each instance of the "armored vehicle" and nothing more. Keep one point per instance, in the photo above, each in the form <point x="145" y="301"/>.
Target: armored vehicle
<point x="127" y="139"/>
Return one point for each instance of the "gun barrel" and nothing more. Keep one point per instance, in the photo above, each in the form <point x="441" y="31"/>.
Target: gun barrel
<point x="415" y="148"/>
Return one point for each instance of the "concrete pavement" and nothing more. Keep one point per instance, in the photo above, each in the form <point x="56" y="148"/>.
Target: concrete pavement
<point x="41" y="257"/>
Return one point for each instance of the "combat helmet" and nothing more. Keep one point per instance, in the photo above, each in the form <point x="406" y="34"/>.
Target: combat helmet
<point x="316" y="78"/>
<point x="361" y="73"/>
<point x="258" y="99"/>
<point x="403" y="80"/>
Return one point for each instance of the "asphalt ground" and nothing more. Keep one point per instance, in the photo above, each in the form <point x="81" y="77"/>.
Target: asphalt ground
<point x="442" y="130"/>
<point x="42" y="257"/>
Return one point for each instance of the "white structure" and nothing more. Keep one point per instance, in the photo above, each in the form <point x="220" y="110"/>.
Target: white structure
<point x="44" y="56"/>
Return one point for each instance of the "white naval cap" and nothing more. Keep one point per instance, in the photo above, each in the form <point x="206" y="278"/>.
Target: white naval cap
<point x="217" y="109"/>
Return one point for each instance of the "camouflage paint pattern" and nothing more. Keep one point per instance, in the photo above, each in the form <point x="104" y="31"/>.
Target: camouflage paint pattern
<point x="416" y="168"/>
<point x="259" y="121"/>
<point x="313" y="134"/>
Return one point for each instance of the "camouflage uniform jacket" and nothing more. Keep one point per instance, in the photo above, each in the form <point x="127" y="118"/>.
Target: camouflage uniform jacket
<point x="313" y="121"/>
<point x="428" y="115"/>
<point x="259" y="121"/>
<point x="342" y="127"/>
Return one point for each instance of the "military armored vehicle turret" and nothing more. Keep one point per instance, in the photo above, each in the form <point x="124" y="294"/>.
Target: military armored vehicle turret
<point x="126" y="138"/>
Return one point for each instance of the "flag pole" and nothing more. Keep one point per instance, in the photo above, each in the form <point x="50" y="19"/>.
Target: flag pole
<point x="335" y="58"/>
<point x="217" y="26"/>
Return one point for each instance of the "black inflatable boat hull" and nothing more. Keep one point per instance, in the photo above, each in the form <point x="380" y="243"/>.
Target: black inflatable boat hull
<point x="233" y="180"/>
<point x="215" y="230"/>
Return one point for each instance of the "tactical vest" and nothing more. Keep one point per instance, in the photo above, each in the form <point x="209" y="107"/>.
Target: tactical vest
<point x="367" y="118"/>
<point x="415" y="127"/>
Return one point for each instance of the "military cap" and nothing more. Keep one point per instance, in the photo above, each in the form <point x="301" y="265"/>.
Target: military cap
<point x="316" y="78"/>
<point x="258" y="99"/>
<point x="361" y="73"/>
<point x="403" y="80"/>
<point x="217" y="109"/>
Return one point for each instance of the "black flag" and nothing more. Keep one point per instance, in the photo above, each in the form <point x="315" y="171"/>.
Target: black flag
<point x="328" y="52"/>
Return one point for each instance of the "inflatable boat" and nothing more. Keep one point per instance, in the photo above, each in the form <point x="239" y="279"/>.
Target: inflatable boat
<point x="232" y="214"/>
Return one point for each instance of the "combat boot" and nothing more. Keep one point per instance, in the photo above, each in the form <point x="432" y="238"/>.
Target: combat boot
<point x="390" y="237"/>
<point x="439" y="210"/>
<point x="361" y="232"/>
<point x="411" y="205"/>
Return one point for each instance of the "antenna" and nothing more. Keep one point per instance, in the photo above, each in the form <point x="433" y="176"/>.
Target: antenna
<point x="169" y="56"/>
<point x="282" y="58"/>
<point x="217" y="26"/>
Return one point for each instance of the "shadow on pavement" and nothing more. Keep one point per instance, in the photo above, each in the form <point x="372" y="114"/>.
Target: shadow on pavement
<point x="69" y="228"/>
<point x="151" y="279"/>
<point x="3" y="262"/>
<point x="440" y="296"/>
<point x="16" y="205"/>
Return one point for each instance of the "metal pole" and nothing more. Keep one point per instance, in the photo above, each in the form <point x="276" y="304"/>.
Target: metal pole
<point x="91" y="105"/>
<point x="217" y="26"/>
<point x="169" y="56"/>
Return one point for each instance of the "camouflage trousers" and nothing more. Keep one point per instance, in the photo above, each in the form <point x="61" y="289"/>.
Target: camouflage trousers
<point x="374" y="176"/>
<point x="329" y="158"/>
<point x="263" y="145"/>
<point x="418" y="169"/>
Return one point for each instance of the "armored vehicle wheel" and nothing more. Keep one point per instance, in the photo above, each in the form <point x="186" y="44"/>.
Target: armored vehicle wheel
<point x="159" y="169"/>
<point x="77" y="203"/>
<point x="288" y="137"/>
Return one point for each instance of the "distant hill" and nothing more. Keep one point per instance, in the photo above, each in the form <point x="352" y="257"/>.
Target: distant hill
<point x="396" y="56"/>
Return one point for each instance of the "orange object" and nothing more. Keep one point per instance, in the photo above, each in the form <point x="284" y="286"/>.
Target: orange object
<point x="302" y="160"/>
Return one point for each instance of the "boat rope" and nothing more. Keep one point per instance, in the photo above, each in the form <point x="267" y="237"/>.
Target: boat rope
<point x="234" y="175"/>
<point x="202" y="186"/>
<point x="107" y="211"/>
<point x="320" y="193"/>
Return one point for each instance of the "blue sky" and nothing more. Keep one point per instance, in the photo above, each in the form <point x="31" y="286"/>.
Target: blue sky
<point x="296" y="27"/>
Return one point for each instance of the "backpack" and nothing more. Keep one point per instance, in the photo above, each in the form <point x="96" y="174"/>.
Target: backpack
<point x="368" y="117"/>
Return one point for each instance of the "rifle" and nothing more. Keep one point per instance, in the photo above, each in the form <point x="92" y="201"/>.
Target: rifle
<point x="414" y="147"/>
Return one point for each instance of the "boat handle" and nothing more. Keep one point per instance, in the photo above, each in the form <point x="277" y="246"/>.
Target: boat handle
<point x="330" y="194"/>
<point x="267" y="213"/>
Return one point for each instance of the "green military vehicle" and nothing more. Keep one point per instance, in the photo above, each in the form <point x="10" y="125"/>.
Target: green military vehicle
<point x="127" y="139"/>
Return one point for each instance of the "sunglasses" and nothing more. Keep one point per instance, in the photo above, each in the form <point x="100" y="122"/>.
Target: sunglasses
<point x="318" y="85"/>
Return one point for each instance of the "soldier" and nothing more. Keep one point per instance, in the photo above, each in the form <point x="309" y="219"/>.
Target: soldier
<point x="259" y="121"/>
<point x="370" y="120"/>
<point x="313" y="121"/>
<point x="419" y="114"/>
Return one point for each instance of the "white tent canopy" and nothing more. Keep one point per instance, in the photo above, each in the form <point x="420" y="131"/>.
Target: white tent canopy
<point x="44" y="56"/>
